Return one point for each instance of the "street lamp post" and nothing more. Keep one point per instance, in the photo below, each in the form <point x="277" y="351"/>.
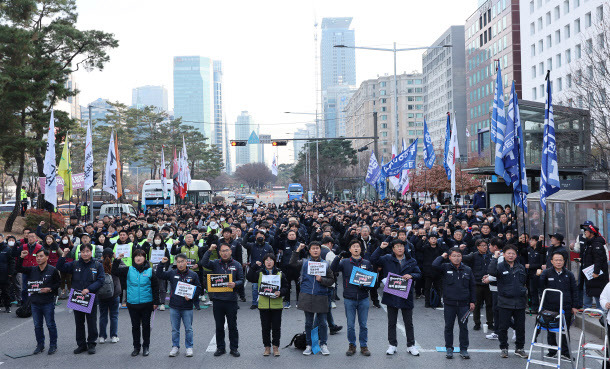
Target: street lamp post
<point x="394" y="50"/>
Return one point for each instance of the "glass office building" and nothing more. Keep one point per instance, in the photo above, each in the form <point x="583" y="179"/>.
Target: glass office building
<point x="193" y="92"/>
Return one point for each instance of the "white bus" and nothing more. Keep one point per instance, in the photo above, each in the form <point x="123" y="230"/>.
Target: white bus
<point x="199" y="192"/>
<point x="152" y="194"/>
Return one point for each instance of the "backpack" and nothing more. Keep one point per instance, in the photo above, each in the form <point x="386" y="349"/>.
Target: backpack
<point x="548" y="319"/>
<point x="435" y="299"/>
<point x="25" y="310"/>
<point x="107" y="289"/>
<point x="299" y="340"/>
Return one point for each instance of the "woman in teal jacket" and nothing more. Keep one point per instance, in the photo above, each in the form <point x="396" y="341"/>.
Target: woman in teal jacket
<point x="142" y="297"/>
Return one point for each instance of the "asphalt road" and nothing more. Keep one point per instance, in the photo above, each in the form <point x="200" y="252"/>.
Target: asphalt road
<point x="17" y="336"/>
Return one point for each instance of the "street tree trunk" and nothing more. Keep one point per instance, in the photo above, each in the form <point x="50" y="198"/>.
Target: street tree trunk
<point x="8" y="227"/>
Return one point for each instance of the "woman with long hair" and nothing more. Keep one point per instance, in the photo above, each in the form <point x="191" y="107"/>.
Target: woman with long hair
<point x="66" y="278"/>
<point x="109" y="306"/>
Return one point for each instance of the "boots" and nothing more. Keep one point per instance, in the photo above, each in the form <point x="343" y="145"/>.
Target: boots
<point x="276" y="351"/>
<point x="267" y="351"/>
<point x="351" y="350"/>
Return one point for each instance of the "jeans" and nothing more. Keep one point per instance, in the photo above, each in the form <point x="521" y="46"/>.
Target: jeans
<point x="483" y="295"/>
<point x="588" y="300"/>
<point x="320" y="322"/>
<point x="140" y="318"/>
<point x="271" y="322"/>
<point x="255" y="294"/>
<point x="407" y="317"/>
<point x="82" y="339"/>
<point x="226" y="309"/>
<point x="46" y="311"/>
<point x="186" y="316"/>
<point x="361" y="307"/>
<point x="505" y="322"/>
<point x="451" y="314"/>
<point x="110" y="308"/>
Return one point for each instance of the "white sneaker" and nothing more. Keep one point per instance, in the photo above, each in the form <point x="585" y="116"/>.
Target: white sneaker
<point x="307" y="351"/>
<point x="162" y="307"/>
<point x="412" y="350"/>
<point x="201" y="298"/>
<point x="333" y="305"/>
<point x="324" y="350"/>
<point x="115" y="339"/>
<point x="208" y="303"/>
<point x="175" y="350"/>
<point x="189" y="352"/>
<point x="492" y="336"/>
<point x="102" y="340"/>
<point x="514" y="336"/>
<point x="391" y="350"/>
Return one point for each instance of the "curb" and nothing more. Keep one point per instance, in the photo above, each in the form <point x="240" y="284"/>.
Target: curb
<point x="592" y="325"/>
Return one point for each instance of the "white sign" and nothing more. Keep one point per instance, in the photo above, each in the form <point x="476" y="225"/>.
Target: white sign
<point x="123" y="249"/>
<point x="185" y="290"/>
<point x="156" y="256"/>
<point x="588" y="272"/>
<point x="269" y="285"/>
<point x="264" y="139"/>
<point x="316" y="268"/>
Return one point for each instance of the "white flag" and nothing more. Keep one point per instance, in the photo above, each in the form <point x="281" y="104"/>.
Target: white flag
<point x="110" y="183"/>
<point x="187" y="170"/>
<point x="50" y="167"/>
<point x="163" y="173"/>
<point x="88" y="160"/>
<point x="274" y="166"/>
<point x="395" y="180"/>
<point x="453" y="155"/>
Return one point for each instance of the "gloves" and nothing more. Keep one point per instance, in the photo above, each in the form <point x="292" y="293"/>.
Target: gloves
<point x="346" y="254"/>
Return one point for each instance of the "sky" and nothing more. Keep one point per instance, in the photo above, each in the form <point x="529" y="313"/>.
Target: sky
<point x="267" y="49"/>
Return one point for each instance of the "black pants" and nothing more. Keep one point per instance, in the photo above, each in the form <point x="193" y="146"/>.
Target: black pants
<point x="407" y="318"/>
<point x="419" y="287"/>
<point x="221" y="310"/>
<point x="375" y="293"/>
<point x="140" y="318"/>
<point x="451" y="314"/>
<point x="271" y="322"/>
<point x="552" y="337"/>
<point x="198" y="290"/>
<point x="83" y="339"/>
<point x="505" y="316"/>
<point x="5" y="297"/>
<point x="483" y="296"/>
<point x="291" y="275"/>
<point x="534" y="291"/>
<point x="431" y="282"/>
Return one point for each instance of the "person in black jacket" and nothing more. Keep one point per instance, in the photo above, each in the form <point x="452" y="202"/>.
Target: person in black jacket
<point x="43" y="282"/>
<point x="7" y="271"/>
<point x="595" y="255"/>
<point x="87" y="276"/>
<point x="459" y="297"/>
<point x="557" y="245"/>
<point x="512" y="298"/>
<point x="479" y="262"/>
<point x="430" y="251"/>
<point x="287" y="243"/>
<point x="560" y="278"/>
<point x="536" y="258"/>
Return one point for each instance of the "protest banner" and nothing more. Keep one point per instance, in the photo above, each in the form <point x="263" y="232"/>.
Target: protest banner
<point x="219" y="282"/>
<point x="316" y="268"/>
<point x="270" y="284"/>
<point x="78" y="301"/>
<point x="185" y="290"/>
<point x="34" y="286"/>
<point x="361" y="277"/>
<point x="397" y="285"/>
<point x="123" y="249"/>
<point x="156" y="256"/>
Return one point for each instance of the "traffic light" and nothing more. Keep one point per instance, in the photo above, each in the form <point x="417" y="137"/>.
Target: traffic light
<point x="279" y="143"/>
<point x="363" y="148"/>
<point x="238" y="142"/>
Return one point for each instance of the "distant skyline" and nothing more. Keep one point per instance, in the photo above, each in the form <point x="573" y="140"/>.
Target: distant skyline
<point x="267" y="51"/>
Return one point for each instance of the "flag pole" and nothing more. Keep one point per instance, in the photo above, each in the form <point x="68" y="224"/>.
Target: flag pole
<point x="425" y="186"/>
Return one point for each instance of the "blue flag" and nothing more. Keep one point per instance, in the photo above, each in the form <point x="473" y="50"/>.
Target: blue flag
<point x="381" y="183"/>
<point x="447" y="141"/>
<point x="429" y="155"/>
<point x="513" y="155"/>
<point x="498" y="127"/>
<point x="406" y="160"/>
<point x="374" y="170"/>
<point x="549" y="169"/>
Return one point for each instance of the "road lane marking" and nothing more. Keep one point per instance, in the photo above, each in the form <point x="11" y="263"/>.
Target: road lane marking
<point x="212" y="346"/>
<point x="404" y="331"/>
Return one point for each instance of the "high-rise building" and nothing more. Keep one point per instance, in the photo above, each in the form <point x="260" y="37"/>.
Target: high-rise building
<point x="492" y="36"/>
<point x="193" y="92"/>
<point x="307" y="132"/>
<point x="335" y="100"/>
<point x="71" y="104"/>
<point x="149" y="96"/>
<point x="377" y="95"/>
<point x="99" y="108"/>
<point x="445" y="86"/>
<point x="218" y="114"/>
<point x="243" y="129"/>
<point x="558" y="36"/>
<point x="338" y="64"/>
<point x="227" y="150"/>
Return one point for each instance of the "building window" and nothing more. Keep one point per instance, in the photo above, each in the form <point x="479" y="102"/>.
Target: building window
<point x="540" y="46"/>
<point x="534" y="72"/>
<point x="383" y="108"/>
<point x="556" y="11"/>
<point x="568" y="56"/>
<point x="539" y="23"/>
<point x="531" y="6"/>
<point x="533" y="50"/>
<point x="569" y="80"/>
<point x="549" y="42"/>
<point x="578" y="51"/>
<point x="559" y="84"/>
<point x="576" y="3"/>
<point x="534" y="94"/>
<point x="548" y="18"/>
<point x="549" y="64"/>
<point x="588" y="20"/>
<point x="566" y="6"/>
<point x="384" y="125"/>
<point x="541" y="68"/>
<point x="381" y="84"/>
<point x="384" y="134"/>
<point x="600" y="13"/>
<point x="383" y="101"/>
<point x="557" y="37"/>
<point x="382" y="93"/>
<point x="589" y="46"/>
<point x="577" y="26"/>
<point x="566" y="31"/>
<point x="558" y="60"/>
<point x="384" y="117"/>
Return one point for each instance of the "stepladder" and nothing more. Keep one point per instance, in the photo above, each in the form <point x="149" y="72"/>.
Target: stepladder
<point x="553" y="322"/>
<point x="596" y="353"/>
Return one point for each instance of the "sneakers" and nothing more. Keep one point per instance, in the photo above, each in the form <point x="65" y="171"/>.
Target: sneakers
<point x="207" y="303"/>
<point x="551" y="355"/>
<point x="376" y="304"/>
<point x="351" y="350"/>
<point x="102" y="340"/>
<point x="492" y="336"/>
<point x="412" y="350"/>
<point x="365" y="351"/>
<point x="52" y="350"/>
<point x="324" y="350"/>
<point x="504" y="353"/>
<point x="162" y="307"/>
<point x="234" y="353"/>
<point x="286" y="305"/>
<point x="391" y="350"/>
<point x="114" y="339"/>
<point x="333" y="305"/>
<point x="253" y="307"/>
<point x="91" y="350"/>
<point x="334" y="329"/>
<point x="220" y="352"/>
<point x="189" y="352"/>
<point x="135" y="352"/>
<point x="449" y="354"/>
<point x="464" y="354"/>
<point x="276" y="351"/>
<point x="174" y="352"/>
<point x="307" y="351"/>
<point x="39" y="349"/>
<point x="80" y="350"/>
<point x="477" y="327"/>
<point x="267" y="351"/>
<point x="521" y="353"/>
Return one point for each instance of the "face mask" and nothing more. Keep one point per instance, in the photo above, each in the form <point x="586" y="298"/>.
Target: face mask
<point x="222" y="219"/>
<point x="260" y="239"/>
<point x="421" y="222"/>
<point x="164" y="235"/>
<point x="65" y="242"/>
<point x="433" y="229"/>
<point x="157" y="242"/>
<point x="11" y="243"/>
<point x="409" y="228"/>
<point x="248" y="219"/>
<point x="491" y="219"/>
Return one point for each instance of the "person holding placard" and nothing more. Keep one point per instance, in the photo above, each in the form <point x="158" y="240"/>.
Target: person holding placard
<point x="459" y="297"/>
<point x="87" y="276"/>
<point x="180" y="303"/>
<point x="403" y="265"/>
<point x="225" y="303"/>
<point x="316" y="279"/>
<point x="142" y="297"/>
<point x="256" y="251"/>
<point x="157" y="251"/>
<point x="43" y="283"/>
<point x="273" y="285"/>
<point x="193" y="255"/>
<point x="123" y="246"/>
<point x="355" y="294"/>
